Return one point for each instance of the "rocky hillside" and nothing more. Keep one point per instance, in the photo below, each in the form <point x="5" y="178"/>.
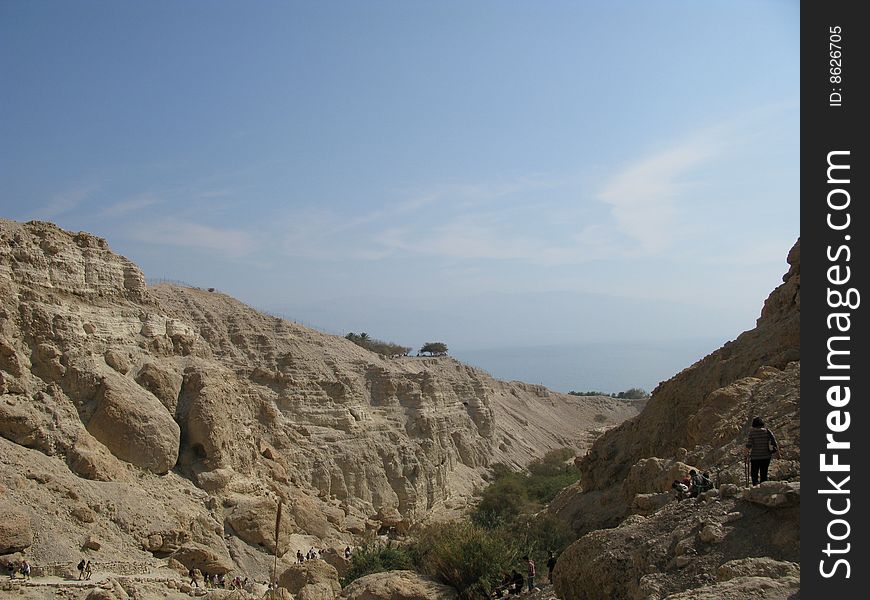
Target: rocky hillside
<point x="735" y="542"/>
<point x="144" y="426"/>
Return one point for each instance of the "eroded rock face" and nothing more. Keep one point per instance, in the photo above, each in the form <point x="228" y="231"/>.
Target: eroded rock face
<point x="166" y="408"/>
<point x="397" y="585"/>
<point x="680" y="546"/>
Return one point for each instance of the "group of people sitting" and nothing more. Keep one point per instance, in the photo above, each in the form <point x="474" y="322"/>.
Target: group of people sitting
<point x="692" y="485"/>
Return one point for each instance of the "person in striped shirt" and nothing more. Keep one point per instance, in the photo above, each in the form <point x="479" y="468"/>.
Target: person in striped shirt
<point x="760" y="447"/>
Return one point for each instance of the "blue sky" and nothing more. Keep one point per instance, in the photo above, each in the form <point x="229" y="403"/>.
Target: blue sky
<point x="485" y="173"/>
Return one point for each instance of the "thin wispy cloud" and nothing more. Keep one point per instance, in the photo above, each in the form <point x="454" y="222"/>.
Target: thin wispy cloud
<point x="644" y="195"/>
<point x="231" y="243"/>
<point x="68" y="200"/>
<point x="133" y="205"/>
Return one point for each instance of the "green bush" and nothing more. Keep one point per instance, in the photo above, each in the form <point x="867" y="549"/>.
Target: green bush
<point x="512" y="494"/>
<point x="374" y="556"/>
<point x="379" y="346"/>
<point x="552" y="463"/>
<point x="544" y="489"/>
<point x="465" y="556"/>
<point x="537" y="535"/>
<point x="502" y="502"/>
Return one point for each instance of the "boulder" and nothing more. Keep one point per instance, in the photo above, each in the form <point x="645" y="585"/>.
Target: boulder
<point x="16" y="533"/>
<point x="163" y="381"/>
<point x="315" y="591"/>
<point x="90" y="459"/>
<point x="397" y="585"/>
<point x="197" y="556"/>
<point x="134" y="426"/>
<point x="645" y="504"/>
<point x="253" y="520"/>
<point x="653" y="475"/>
<point x="92" y="543"/>
<point x="119" y="361"/>
<point x="711" y="533"/>
<point x="774" y="494"/>
<point x="310" y="573"/>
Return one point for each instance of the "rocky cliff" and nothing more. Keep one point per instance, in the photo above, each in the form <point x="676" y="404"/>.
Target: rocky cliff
<point x="143" y="423"/>
<point x="735" y="541"/>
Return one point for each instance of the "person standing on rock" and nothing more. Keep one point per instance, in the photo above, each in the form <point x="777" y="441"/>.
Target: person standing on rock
<point x="551" y="564"/>
<point x="531" y="566"/>
<point x="760" y="447"/>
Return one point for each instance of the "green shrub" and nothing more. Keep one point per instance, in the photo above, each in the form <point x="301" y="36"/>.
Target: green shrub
<point x="502" y="502"/>
<point x="465" y="556"/>
<point x="544" y="489"/>
<point x="512" y="494"/>
<point x="374" y="556"/>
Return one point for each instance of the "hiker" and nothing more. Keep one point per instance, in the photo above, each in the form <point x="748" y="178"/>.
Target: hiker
<point x="697" y="484"/>
<point x="551" y="564"/>
<point x="706" y="482"/>
<point x="760" y="447"/>
<point x="81" y="568"/>
<point x="89" y="570"/>
<point x="25" y="569"/>
<point x="531" y="567"/>
<point x="193" y="579"/>
<point x="347" y="553"/>
<point x="517" y="581"/>
<point x="299" y="557"/>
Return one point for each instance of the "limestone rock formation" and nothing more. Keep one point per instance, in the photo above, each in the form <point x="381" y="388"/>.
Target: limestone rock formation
<point x="167" y="421"/>
<point x="397" y="585"/>
<point x="730" y="542"/>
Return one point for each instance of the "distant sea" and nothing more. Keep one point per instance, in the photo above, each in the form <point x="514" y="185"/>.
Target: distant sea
<point x="606" y="367"/>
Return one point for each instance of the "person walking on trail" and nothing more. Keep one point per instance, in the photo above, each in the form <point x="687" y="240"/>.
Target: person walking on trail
<point x="81" y="568"/>
<point x="89" y="570"/>
<point x="760" y="447"/>
<point x="531" y="565"/>
<point x="25" y="569"/>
